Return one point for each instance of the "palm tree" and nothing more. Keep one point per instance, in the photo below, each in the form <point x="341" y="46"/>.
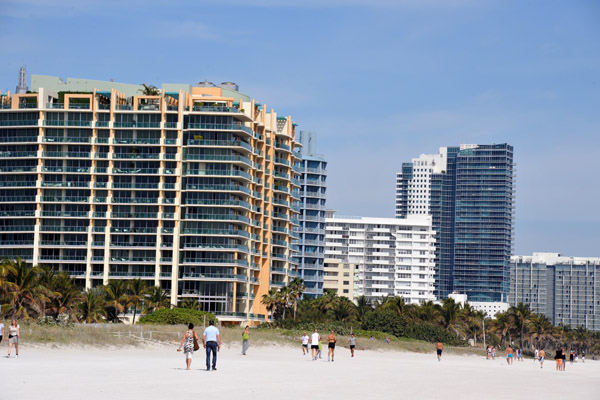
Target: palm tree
<point x="344" y="309"/>
<point x="450" y="313"/>
<point x="284" y="295"/>
<point x="541" y="329"/>
<point x="503" y="325"/>
<point x="297" y="288"/>
<point x="428" y="311"/>
<point x="21" y="289"/>
<point x="92" y="306"/>
<point x="270" y="301"/>
<point x="190" y="304"/>
<point x="327" y="302"/>
<point x="522" y="314"/>
<point x="363" y="306"/>
<point x="394" y="303"/>
<point x="66" y="296"/>
<point x="156" y="299"/>
<point x="137" y="293"/>
<point x="116" y="297"/>
<point x="149" y="90"/>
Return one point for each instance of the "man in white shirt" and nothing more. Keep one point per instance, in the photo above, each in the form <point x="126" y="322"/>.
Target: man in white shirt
<point x="211" y="340"/>
<point x="2" y="332"/>
<point x="305" y="344"/>
<point x="315" y="338"/>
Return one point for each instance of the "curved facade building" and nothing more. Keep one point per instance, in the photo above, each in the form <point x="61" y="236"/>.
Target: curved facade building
<point x="192" y="189"/>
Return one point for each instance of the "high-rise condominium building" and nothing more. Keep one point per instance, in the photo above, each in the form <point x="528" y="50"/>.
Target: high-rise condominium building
<point x="311" y="231"/>
<point x="469" y="193"/>
<point x="565" y="289"/>
<point x="193" y="189"/>
<point x="22" y="86"/>
<point x="390" y="257"/>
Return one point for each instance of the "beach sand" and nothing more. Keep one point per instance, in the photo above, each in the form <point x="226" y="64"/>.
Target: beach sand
<point x="280" y="372"/>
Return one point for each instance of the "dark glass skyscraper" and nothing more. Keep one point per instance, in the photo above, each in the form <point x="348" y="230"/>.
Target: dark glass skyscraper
<point x="469" y="192"/>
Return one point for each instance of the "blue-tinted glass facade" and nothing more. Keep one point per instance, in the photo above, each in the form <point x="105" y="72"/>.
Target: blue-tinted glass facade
<point x="471" y="201"/>
<point x="311" y="232"/>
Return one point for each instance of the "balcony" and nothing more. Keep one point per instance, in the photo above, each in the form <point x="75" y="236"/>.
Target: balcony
<point x="21" y="122"/>
<point x="220" y="127"/>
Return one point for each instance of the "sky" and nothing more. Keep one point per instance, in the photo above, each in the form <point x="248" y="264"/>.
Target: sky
<point x="379" y="81"/>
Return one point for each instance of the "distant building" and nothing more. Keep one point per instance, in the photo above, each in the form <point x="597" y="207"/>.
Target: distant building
<point x="490" y="308"/>
<point x="311" y="232"/>
<point x="565" y="289"/>
<point x="469" y="193"/>
<point x="22" y="86"/>
<point x="339" y="277"/>
<point x="390" y="257"/>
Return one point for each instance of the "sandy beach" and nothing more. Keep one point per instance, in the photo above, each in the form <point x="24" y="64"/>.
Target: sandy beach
<point x="271" y="372"/>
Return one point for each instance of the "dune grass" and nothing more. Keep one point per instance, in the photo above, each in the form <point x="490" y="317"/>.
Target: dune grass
<point x="118" y="335"/>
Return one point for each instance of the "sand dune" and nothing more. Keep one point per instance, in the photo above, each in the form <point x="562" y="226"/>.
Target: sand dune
<point x="158" y="372"/>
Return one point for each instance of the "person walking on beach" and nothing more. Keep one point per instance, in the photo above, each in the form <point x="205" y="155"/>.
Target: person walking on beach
<point x="558" y="358"/>
<point x="352" y="342"/>
<point x="563" y="356"/>
<point x="305" y="344"/>
<point x="439" y="347"/>
<point x="493" y="352"/>
<point x="1" y="331"/>
<point x="536" y="355"/>
<point x="509" y="355"/>
<point x="320" y="352"/>
<point x="332" y="339"/>
<point x="14" y="333"/>
<point x="211" y="340"/>
<point x="542" y="356"/>
<point x="315" y="338"/>
<point x="187" y="343"/>
<point x="245" y="340"/>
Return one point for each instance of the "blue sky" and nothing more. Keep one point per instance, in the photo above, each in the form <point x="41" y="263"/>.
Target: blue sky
<point x="380" y="81"/>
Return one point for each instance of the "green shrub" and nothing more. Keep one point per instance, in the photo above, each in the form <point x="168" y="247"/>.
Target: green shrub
<point x="400" y="326"/>
<point x="177" y="316"/>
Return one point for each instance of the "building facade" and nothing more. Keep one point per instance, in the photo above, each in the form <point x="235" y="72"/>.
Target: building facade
<point x="194" y="189"/>
<point x="311" y="232"/>
<point x="565" y="289"/>
<point x="339" y="277"/>
<point x="390" y="257"/>
<point x="469" y="193"/>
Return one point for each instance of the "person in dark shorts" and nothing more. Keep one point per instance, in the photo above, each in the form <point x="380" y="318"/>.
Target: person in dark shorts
<point x="439" y="347"/>
<point x="352" y="342"/>
<point x="314" y="344"/>
<point x="305" y="339"/>
<point x="332" y="339"/>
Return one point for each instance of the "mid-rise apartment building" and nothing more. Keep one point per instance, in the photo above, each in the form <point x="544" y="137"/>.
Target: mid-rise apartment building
<point x="469" y="193"/>
<point x="565" y="289"/>
<point x="390" y="257"/>
<point x="311" y="232"/>
<point x="339" y="277"/>
<point x="194" y="189"/>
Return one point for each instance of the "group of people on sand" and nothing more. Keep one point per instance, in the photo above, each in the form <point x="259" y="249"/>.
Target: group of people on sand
<point x="14" y="333"/>
<point x="539" y="355"/>
<point x="316" y="345"/>
<point x="511" y="354"/>
<point x="211" y="341"/>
